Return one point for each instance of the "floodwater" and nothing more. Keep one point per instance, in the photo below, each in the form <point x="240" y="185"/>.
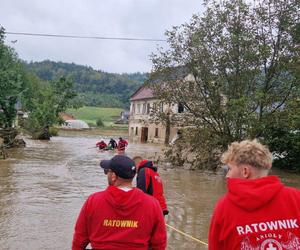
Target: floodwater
<point x="43" y="186"/>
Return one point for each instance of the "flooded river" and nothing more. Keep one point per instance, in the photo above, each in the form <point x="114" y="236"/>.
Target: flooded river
<point x="43" y="186"/>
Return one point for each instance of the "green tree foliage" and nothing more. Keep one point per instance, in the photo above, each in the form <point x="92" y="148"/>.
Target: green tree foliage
<point x="241" y="59"/>
<point x="283" y="136"/>
<point x="45" y="100"/>
<point x="11" y="82"/>
<point x="94" y="87"/>
<point x="283" y="133"/>
<point x="63" y="93"/>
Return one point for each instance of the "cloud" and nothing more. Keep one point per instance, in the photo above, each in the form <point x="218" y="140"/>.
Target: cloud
<point x="107" y="18"/>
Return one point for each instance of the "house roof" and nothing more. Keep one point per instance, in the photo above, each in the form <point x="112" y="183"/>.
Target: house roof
<point x="65" y="116"/>
<point x="170" y="74"/>
<point x="142" y="93"/>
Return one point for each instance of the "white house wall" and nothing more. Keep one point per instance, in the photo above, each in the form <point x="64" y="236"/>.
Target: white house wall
<point x="140" y="117"/>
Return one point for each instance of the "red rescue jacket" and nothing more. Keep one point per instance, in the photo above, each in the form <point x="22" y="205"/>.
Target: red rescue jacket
<point x="256" y="214"/>
<point x="114" y="219"/>
<point x="101" y="145"/>
<point x="150" y="182"/>
<point x="122" y="144"/>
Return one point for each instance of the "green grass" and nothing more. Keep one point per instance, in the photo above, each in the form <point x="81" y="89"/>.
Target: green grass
<point x="91" y="114"/>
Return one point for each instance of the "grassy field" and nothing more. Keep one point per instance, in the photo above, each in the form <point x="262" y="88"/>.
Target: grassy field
<point x="91" y="114"/>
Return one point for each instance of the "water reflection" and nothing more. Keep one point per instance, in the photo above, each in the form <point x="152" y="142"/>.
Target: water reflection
<point x="43" y="186"/>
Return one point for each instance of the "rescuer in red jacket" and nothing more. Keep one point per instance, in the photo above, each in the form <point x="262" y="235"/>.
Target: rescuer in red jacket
<point x="149" y="181"/>
<point x="101" y="144"/>
<point x="120" y="217"/>
<point x="258" y="212"/>
<point x="122" y="144"/>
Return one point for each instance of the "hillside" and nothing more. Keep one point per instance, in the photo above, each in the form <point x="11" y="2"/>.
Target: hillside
<point x="95" y="87"/>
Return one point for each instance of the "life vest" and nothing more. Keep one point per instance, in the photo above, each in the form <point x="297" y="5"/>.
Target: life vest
<point x="150" y="182"/>
<point x="122" y="144"/>
<point x="101" y="144"/>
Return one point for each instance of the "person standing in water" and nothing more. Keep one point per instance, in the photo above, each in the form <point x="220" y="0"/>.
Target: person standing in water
<point x="149" y="181"/>
<point x="112" y="144"/>
<point x="101" y="144"/>
<point x="122" y="144"/>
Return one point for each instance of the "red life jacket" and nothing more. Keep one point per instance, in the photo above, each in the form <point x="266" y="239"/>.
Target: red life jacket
<point x="101" y="145"/>
<point x="122" y="144"/>
<point x="150" y="182"/>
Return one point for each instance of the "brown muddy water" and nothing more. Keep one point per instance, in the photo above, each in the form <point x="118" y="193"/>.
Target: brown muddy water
<point x="43" y="186"/>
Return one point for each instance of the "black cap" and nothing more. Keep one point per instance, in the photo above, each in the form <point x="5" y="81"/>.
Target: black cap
<point x="122" y="165"/>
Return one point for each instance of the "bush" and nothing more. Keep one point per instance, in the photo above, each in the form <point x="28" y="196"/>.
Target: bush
<point x="99" y="123"/>
<point x="91" y="124"/>
<point x="53" y="131"/>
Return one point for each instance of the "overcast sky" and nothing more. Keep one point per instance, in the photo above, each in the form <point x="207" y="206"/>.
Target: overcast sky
<point x="106" y="18"/>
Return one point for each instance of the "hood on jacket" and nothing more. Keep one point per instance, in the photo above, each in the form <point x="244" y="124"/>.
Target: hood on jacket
<point x="124" y="202"/>
<point x="146" y="164"/>
<point x="253" y="194"/>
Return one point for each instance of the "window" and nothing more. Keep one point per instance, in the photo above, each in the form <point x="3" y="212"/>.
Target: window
<point x="148" y="108"/>
<point x="138" y="109"/>
<point x="132" y="130"/>
<point x="144" y="108"/>
<point x="161" y="108"/>
<point x="154" y="106"/>
<point x="180" y="107"/>
<point x="136" y="130"/>
<point x="133" y="108"/>
<point x="156" y="132"/>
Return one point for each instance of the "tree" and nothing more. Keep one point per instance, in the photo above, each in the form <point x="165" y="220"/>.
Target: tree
<point x="44" y="101"/>
<point x="283" y="136"/>
<point x="241" y="58"/>
<point x="63" y="93"/>
<point x="94" y="87"/>
<point x="11" y="84"/>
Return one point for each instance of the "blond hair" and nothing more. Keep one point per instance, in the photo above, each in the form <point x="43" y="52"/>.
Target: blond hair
<point x="137" y="157"/>
<point x="248" y="152"/>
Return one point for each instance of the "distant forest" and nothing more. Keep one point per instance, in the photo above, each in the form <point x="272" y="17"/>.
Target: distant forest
<point x="94" y="87"/>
